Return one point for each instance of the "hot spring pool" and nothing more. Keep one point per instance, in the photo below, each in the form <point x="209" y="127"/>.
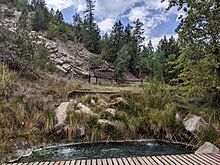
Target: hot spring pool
<point x="106" y="150"/>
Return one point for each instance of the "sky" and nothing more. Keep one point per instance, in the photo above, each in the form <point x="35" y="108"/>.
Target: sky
<point x="157" y="21"/>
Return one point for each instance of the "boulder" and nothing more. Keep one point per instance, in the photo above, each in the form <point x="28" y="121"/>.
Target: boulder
<point x="208" y="148"/>
<point x="111" y="110"/>
<point x="83" y="109"/>
<point x="105" y="122"/>
<point x="194" y="123"/>
<point x="61" y="113"/>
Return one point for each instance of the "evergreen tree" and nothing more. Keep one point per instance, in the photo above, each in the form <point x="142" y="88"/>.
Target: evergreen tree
<point x="78" y="27"/>
<point x="167" y="53"/>
<point x="91" y="34"/>
<point x="122" y="61"/>
<point x="199" y="62"/>
<point x="116" y="39"/>
<point x="59" y="16"/>
<point x="128" y="33"/>
<point x="40" y="20"/>
<point x="138" y="34"/>
<point x="136" y="45"/>
<point x="105" y="46"/>
<point x="145" y="60"/>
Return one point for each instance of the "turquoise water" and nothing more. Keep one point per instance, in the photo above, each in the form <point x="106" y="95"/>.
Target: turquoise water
<point x="106" y="150"/>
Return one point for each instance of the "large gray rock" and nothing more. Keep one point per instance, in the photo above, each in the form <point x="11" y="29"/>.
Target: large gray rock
<point x="61" y="113"/>
<point x="194" y="123"/>
<point x="207" y="147"/>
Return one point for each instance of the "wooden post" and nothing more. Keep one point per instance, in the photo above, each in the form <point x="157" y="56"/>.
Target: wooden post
<point x="89" y="78"/>
<point x="96" y="80"/>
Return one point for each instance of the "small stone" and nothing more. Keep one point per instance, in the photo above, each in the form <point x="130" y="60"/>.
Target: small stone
<point x="93" y="102"/>
<point x="111" y="110"/>
<point x="80" y="131"/>
<point x="105" y="122"/>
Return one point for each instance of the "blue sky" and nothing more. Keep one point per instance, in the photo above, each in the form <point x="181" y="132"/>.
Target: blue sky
<point x="157" y="21"/>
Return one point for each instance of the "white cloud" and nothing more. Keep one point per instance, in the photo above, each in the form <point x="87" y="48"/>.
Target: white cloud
<point x="59" y="4"/>
<point x="156" y="4"/>
<point x="138" y="13"/>
<point x="112" y="8"/>
<point x="106" y="24"/>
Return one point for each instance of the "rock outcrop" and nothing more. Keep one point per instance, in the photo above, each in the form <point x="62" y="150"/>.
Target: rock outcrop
<point x="207" y="147"/>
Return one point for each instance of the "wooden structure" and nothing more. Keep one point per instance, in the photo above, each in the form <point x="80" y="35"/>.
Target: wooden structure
<point x="109" y="74"/>
<point x="188" y="159"/>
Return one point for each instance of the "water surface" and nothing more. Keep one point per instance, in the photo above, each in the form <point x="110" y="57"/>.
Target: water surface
<point x="106" y="150"/>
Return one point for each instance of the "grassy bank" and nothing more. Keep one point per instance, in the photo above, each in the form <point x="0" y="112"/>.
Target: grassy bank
<point x="27" y="114"/>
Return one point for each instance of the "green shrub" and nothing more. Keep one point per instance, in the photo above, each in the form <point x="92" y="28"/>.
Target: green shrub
<point x="207" y="135"/>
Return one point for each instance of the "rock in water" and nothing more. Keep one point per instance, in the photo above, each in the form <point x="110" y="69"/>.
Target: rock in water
<point x="61" y="112"/>
<point x="207" y="147"/>
<point x="194" y="123"/>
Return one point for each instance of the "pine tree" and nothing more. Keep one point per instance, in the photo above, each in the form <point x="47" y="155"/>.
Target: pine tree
<point x="167" y="53"/>
<point x="40" y="20"/>
<point x="136" y="46"/>
<point x="78" y="27"/>
<point x="91" y="34"/>
<point x="128" y="33"/>
<point x="59" y="16"/>
<point x="105" y="46"/>
<point x="116" y="39"/>
<point x="138" y="34"/>
<point x="200" y="58"/>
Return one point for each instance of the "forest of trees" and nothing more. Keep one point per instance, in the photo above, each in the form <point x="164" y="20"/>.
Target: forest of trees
<point x="193" y="60"/>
